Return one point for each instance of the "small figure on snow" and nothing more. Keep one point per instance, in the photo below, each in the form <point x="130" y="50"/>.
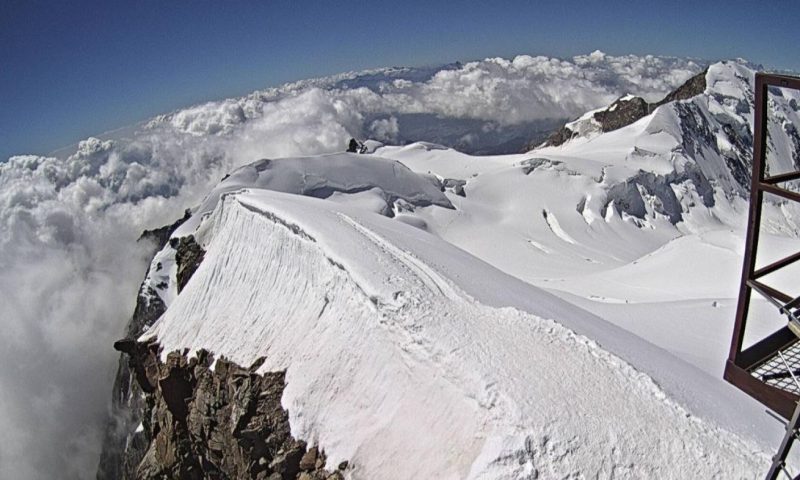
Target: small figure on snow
<point x="356" y="147"/>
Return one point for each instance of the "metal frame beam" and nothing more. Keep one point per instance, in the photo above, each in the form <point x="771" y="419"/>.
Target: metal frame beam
<point x="741" y="362"/>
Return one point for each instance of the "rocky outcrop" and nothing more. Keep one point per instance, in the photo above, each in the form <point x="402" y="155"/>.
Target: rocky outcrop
<point x="690" y="88"/>
<point x="188" y="256"/>
<point x="717" y="145"/>
<point x="629" y="109"/>
<point x="559" y="137"/>
<point x="123" y="446"/>
<point x="160" y="236"/>
<point x="207" y="419"/>
<point x="621" y="113"/>
<point x="356" y="146"/>
<point x="197" y="418"/>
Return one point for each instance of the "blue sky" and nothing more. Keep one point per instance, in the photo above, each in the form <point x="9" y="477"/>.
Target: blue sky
<point x="76" y="68"/>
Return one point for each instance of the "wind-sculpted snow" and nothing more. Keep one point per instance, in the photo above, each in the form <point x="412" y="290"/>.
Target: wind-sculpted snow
<point x="388" y="181"/>
<point x="391" y="365"/>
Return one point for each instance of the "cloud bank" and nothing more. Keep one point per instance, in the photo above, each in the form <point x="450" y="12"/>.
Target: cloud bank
<point x="70" y="265"/>
<point x="505" y="91"/>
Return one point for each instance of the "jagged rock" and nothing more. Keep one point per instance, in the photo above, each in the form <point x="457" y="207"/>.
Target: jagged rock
<point x="690" y="88"/>
<point x="627" y="110"/>
<point x="559" y="137"/>
<point x="189" y="254"/>
<point x="225" y="422"/>
<point x="621" y="113"/>
<point x="160" y="236"/>
<point x="309" y="460"/>
<point x="124" y="444"/>
<point x="454" y="185"/>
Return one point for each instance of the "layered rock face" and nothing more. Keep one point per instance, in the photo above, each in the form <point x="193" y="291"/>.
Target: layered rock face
<point x="214" y="419"/>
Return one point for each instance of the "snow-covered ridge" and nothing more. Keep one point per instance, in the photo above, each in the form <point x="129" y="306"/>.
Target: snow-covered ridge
<point x="378" y="181"/>
<point x="703" y="143"/>
<point x="498" y="392"/>
<point x="648" y="217"/>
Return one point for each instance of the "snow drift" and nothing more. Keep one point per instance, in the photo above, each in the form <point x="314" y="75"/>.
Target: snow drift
<point x="323" y="176"/>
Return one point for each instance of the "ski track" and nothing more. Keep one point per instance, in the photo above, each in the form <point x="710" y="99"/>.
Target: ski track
<point x="416" y="267"/>
<point x="397" y="370"/>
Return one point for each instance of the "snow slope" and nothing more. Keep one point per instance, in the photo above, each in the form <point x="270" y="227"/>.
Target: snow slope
<point x="392" y="365"/>
<point x="458" y="334"/>
<point x="650" y="215"/>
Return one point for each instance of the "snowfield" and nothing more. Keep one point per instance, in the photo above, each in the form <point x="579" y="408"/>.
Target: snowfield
<point x="566" y="315"/>
<point x="388" y="359"/>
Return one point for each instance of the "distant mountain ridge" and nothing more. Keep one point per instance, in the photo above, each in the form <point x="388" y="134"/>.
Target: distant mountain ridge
<point x="626" y="110"/>
<point x="710" y="120"/>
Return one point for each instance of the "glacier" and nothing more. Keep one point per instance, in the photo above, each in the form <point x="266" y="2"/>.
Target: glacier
<point x="617" y="251"/>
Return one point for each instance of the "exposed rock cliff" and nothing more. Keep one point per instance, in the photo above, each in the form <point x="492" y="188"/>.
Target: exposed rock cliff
<point x="188" y="255"/>
<point x="207" y="418"/>
<point x="123" y="444"/>
<point x="160" y="236"/>
<point x="123" y="447"/>
<point x="623" y="112"/>
<point x="627" y="110"/>
<point x="196" y="417"/>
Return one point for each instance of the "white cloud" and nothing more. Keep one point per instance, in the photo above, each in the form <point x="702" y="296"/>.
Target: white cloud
<point x="69" y="263"/>
<point x="525" y="88"/>
<point x="384" y="129"/>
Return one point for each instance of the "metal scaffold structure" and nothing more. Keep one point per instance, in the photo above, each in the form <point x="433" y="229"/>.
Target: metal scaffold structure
<point x="769" y="368"/>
